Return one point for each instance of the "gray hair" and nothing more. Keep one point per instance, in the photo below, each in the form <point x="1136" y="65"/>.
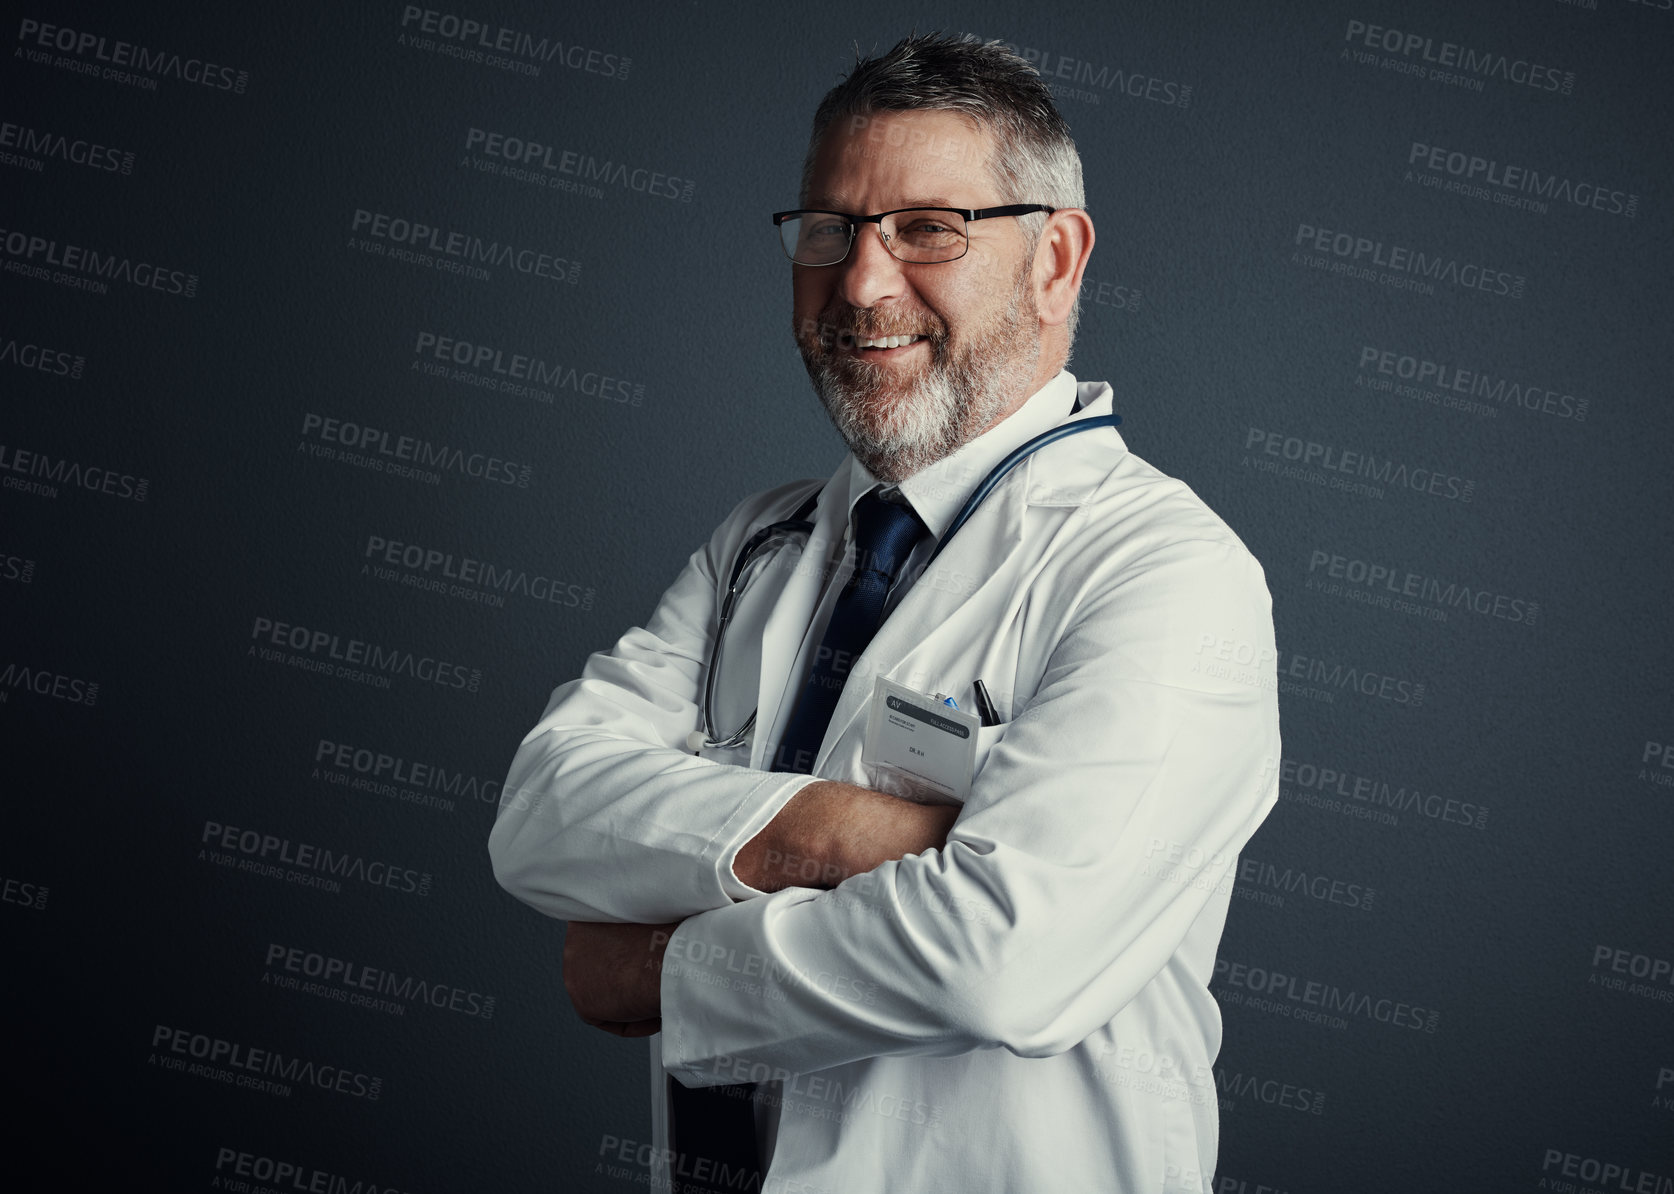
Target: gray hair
<point x="1034" y="160"/>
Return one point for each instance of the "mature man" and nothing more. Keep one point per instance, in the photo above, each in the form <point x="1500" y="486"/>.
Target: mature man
<point x="946" y="951"/>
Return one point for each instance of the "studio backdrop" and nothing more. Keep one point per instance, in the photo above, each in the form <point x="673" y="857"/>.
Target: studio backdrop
<point x="365" y="367"/>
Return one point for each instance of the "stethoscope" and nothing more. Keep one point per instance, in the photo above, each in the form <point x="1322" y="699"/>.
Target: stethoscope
<point x="797" y="524"/>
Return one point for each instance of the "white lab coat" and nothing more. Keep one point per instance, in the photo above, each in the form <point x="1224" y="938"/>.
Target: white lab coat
<point x="1028" y="1008"/>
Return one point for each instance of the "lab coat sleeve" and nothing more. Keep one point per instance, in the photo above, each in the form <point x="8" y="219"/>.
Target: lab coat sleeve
<point x="605" y="815"/>
<point x="1112" y="807"/>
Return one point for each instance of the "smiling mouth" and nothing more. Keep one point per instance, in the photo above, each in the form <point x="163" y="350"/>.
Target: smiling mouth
<point x="887" y="341"/>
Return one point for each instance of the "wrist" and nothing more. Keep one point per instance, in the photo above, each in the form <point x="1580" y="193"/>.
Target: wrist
<point x="820" y="838"/>
<point x="813" y="837"/>
<point x="854" y="829"/>
<point x="786" y="852"/>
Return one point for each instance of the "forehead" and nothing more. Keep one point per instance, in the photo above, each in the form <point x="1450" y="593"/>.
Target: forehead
<point x="893" y="159"/>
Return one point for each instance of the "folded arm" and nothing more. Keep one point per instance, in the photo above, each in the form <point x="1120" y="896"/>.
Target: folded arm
<point x="1103" y="821"/>
<point x="606" y="816"/>
<point x="827" y="832"/>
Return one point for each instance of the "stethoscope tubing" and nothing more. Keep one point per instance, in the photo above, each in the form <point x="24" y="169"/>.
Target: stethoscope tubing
<point x="798" y="524"/>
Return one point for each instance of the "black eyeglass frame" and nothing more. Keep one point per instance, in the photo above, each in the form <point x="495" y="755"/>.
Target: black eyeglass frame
<point x="854" y="222"/>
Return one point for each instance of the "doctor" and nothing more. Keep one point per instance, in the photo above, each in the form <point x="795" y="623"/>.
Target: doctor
<point x="975" y="959"/>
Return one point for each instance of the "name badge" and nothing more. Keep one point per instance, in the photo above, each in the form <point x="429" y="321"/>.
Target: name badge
<point x="918" y="747"/>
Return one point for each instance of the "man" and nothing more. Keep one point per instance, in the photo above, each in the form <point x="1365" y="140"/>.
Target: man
<point x="1006" y="994"/>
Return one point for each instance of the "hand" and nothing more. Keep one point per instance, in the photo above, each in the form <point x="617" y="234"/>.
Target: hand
<point x="613" y="975"/>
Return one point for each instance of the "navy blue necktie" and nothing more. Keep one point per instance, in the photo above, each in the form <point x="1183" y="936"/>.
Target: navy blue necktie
<point x="884" y="536"/>
<point x="717" y="1123"/>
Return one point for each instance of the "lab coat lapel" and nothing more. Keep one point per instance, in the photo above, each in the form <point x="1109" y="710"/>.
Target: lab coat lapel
<point x="793" y="610"/>
<point x="980" y="573"/>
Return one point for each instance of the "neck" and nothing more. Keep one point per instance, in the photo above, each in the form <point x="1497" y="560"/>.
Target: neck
<point x="1048" y="367"/>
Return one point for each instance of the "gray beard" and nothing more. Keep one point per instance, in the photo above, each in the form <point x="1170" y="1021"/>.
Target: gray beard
<point x="943" y="408"/>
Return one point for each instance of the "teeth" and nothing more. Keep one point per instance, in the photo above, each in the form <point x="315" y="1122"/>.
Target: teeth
<point x="886" y="341"/>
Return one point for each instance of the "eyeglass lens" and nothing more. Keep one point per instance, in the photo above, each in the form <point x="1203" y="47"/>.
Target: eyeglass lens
<point x="822" y="238"/>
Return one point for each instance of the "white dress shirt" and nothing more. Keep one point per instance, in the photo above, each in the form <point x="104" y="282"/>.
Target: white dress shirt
<point x="1027" y="1008"/>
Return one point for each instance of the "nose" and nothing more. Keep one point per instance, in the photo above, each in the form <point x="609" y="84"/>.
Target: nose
<point x="870" y="273"/>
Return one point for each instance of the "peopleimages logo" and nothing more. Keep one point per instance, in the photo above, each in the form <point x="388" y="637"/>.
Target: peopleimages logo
<point x="1324" y="463"/>
<point x="1376" y="583"/>
<point x="523" y="154"/>
<point x="1448" y="62"/>
<point x="140" y="65"/>
<point x="307" y="865"/>
<point x="1599" y="1174"/>
<point x="719" y="964"/>
<point x="1267" y="883"/>
<point x="1398" y="266"/>
<point x="61" y="470"/>
<point x="1633" y="973"/>
<point x="1657" y="758"/>
<point x="54" y="362"/>
<point x="432" y="569"/>
<point x="1324" y="998"/>
<point x="1119" y="295"/>
<point x="32" y="148"/>
<point x="1163" y="1074"/>
<point x="16" y="568"/>
<point x="470" y="40"/>
<point x="243" y="1065"/>
<point x="502" y="372"/>
<point x="1066" y="76"/>
<point x="23" y="893"/>
<point x="1512" y="185"/>
<point x="29" y="255"/>
<point x="351" y="982"/>
<point x="458" y="252"/>
<point x="1348" y="677"/>
<point x="324" y="651"/>
<point x="20" y="677"/>
<point x="668" y="1169"/>
<point x="362" y="769"/>
<point x="234" y="1168"/>
<point x="1274" y="1092"/>
<point x="1381" y="368"/>
<point x="1336" y="789"/>
<point x="378" y="449"/>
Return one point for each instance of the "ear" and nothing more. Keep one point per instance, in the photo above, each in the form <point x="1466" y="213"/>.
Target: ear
<point x="1060" y="260"/>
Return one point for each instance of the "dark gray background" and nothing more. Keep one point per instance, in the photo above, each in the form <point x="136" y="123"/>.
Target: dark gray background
<point x="1209" y="328"/>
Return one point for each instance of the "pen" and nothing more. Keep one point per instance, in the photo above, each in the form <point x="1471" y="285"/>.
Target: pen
<point x="985" y="707"/>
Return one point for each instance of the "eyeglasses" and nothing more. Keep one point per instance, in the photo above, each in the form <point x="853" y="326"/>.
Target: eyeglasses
<point x="917" y="235"/>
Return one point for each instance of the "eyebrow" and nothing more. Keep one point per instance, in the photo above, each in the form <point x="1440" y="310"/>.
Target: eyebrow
<point x="827" y="203"/>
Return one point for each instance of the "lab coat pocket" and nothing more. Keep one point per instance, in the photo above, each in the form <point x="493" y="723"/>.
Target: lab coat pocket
<point x="987" y="737"/>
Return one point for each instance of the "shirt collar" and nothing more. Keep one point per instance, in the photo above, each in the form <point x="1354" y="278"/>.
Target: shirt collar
<point x="937" y="491"/>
